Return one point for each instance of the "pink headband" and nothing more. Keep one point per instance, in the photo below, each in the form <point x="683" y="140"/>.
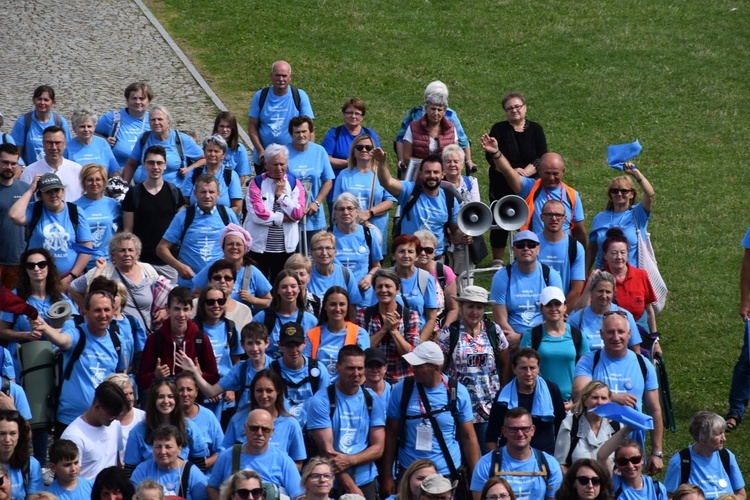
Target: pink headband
<point x="235" y="230"/>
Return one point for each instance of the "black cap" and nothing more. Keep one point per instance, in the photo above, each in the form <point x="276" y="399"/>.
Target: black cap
<point x="291" y="333"/>
<point x="374" y="354"/>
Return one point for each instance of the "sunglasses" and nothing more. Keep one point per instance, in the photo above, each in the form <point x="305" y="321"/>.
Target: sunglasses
<point x="213" y="302"/>
<point x="42" y="264"/>
<point x="525" y="244"/>
<point x="635" y="460"/>
<point x="619" y="191"/>
<point x="258" y="428"/>
<point x="428" y="250"/>
<point x="618" y="312"/>
<point x="583" y="480"/>
<point x="363" y="147"/>
<point x="222" y="277"/>
<point x="244" y="493"/>
<point x="524" y="430"/>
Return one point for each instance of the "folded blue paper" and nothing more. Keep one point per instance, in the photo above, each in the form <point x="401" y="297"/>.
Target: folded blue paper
<point x="617" y="154"/>
<point x="625" y="415"/>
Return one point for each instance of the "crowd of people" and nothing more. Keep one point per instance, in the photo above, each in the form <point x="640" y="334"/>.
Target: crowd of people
<point x="235" y="329"/>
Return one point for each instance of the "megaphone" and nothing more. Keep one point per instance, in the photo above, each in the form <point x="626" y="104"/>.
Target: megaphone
<point x="510" y="212"/>
<point x="474" y="218"/>
<point x="59" y="313"/>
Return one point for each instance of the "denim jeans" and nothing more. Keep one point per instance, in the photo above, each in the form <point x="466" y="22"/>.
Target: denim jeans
<point x="739" y="392"/>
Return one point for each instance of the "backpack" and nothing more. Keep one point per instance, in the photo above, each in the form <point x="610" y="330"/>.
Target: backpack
<point x="313" y="376"/>
<point x="455" y="329"/>
<point x="116" y="122"/>
<point x="178" y="145"/>
<point x="337" y="132"/>
<point x="270" y="490"/>
<point x="368" y="238"/>
<point x="641" y="363"/>
<point x="270" y="319"/>
<point x="177" y="197"/>
<point x="36" y="216"/>
<point x="352" y="331"/>
<point x="229" y="327"/>
<point x="190" y="216"/>
<point x="295" y="97"/>
<point x="404" y="311"/>
<point x="200" y="170"/>
<point x="686" y="464"/>
<point x="450" y="201"/>
<point x="541" y="462"/>
<point x="545" y="274"/>
<point x="536" y="338"/>
<point x="574" y="438"/>
<point x="332" y="400"/>
<point x="184" y="490"/>
<point x="5" y="138"/>
<point x="27" y="123"/>
<point x="258" y="179"/>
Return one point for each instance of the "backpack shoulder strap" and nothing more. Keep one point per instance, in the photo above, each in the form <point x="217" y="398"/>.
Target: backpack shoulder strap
<point x="644" y="370"/>
<point x="275" y="366"/>
<point x="263" y="97"/>
<point x="573" y="440"/>
<point x="454" y="331"/>
<point x="223" y="214"/>
<point x="296" y="97"/>
<point x="77" y="351"/>
<point x="597" y="357"/>
<point x="423" y="277"/>
<point x="177" y="197"/>
<point x="450" y="200"/>
<point x="180" y="150"/>
<point x="368" y="236"/>
<point x="369" y="313"/>
<point x="143" y="140"/>
<point x="415" y="194"/>
<point x="331" y="389"/>
<point x="227" y="176"/>
<point x="337" y="133"/>
<point x="405" y="397"/>
<point x="368" y="401"/>
<point x="577" y="339"/>
<point x="313" y="373"/>
<point x="26" y="125"/>
<point x="197" y="171"/>
<point x="236" y="451"/>
<point x="73" y="213"/>
<point x="724" y="456"/>
<point x="231" y="330"/>
<point x="185" y="479"/>
<point x="496" y="463"/>
<point x="345" y="272"/>
<point x="685" y="465"/>
<point x="542" y="464"/>
<point x="545" y="274"/>
<point x="36" y="215"/>
<point x="57" y="118"/>
<point x="572" y="250"/>
<point x="440" y="271"/>
<point x="116" y="122"/>
<point x="189" y="217"/>
<point x="536" y="337"/>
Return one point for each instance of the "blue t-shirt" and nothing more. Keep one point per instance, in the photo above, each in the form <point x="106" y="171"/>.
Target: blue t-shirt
<point x="438" y="396"/>
<point x="55" y="233"/>
<point x="628" y="221"/>
<point x="339" y="147"/>
<point x="240" y="376"/>
<point x="19" y="398"/>
<point x="201" y="243"/>
<point x="544" y="196"/>
<point x="708" y="473"/>
<point x="417" y="299"/>
<point x="130" y="131"/>
<point x="648" y="492"/>
<point x="353" y="252"/>
<point x="320" y="284"/>
<point x="226" y="193"/>
<point x="190" y="150"/>
<point x="555" y="255"/>
<point x="98" y="360"/>
<point x="746" y="240"/>
<point x="330" y="345"/>
<point x="312" y="167"/>
<point x="259" y="286"/>
<point x="275" y="116"/>
<point x="427" y="213"/>
<point x="127" y="339"/>
<point x="170" y="479"/>
<point x="82" y="491"/>
<point x="97" y="152"/>
<point x="361" y="185"/>
<point x="138" y="450"/>
<point x="350" y="425"/>
<point x="36" y="480"/>
<point x="287" y="434"/>
<point x="219" y="337"/>
<point x="296" y="399"/>
<point x="207" y="422"/>
<point x="32" y="142"/>
<point x="13" y="242"/>
<point x="525" y="487"/>
<point x="309" y="321"/>
<point x="558" y="358"/>
<point x="622" y="375"/>
<point x="273" y="466"/>
<point x="237" y="160"/>
<point x="521" y="297"/>
<point x="104" y="217"/>
<point x="590" y="325"/>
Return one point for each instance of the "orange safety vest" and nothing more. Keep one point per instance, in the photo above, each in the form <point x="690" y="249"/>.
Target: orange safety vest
<point x="535" y="192"/>
<point x="352" y="331"/>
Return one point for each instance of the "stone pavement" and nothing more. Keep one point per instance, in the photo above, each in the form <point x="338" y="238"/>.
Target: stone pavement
<point x="89" y="51"/>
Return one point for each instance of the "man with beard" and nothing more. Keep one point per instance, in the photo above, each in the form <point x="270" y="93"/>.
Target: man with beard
<point x="424" y="204"/>
<point x="12" y="243"/>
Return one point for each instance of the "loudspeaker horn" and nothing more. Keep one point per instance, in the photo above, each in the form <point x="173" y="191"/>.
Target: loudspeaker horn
<point x="59" y="313"/>
<point x="474" y="218"/>
<point x="510" y="212"/>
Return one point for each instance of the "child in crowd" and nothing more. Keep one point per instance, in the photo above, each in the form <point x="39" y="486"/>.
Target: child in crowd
<point x="65" y="463"/>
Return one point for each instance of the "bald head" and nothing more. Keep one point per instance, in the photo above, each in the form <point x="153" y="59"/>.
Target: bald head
<point x="551" y="170"/>
<point x="281" y="77"/>
<point x="615" y="334"/>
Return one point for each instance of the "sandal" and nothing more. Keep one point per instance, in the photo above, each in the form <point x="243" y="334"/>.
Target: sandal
<point x="733" y="421"/>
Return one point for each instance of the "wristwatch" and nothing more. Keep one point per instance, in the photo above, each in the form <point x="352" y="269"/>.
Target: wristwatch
<point x="659" y="454"/>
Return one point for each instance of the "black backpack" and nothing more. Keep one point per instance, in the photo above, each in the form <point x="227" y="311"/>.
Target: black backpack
<point x="574" y="437"/>
<point x="190" y="217"/>
<point x="641" y="364"/>
<point x="312" y="364"/>
<point x="36" y="216"/>
<point x="200" y="170"/>
<point x="686" y="463"/>
<point x="537" y="333"/>
<point x="295" y="97"/>
<point x="270" y="318"/>
<point x="450" y="201"/>
<point x="496" y="466"/>
<point x="404" y="311"/>
<point x="455" y="329"/>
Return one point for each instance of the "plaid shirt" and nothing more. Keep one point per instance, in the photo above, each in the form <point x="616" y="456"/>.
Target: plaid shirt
<point x="398" y="368"/>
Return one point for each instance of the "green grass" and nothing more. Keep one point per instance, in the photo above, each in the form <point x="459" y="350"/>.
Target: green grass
<point x="673" y="75"/>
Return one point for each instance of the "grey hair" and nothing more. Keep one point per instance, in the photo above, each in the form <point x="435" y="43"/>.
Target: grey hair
<point x="216" y="139"/>
<point x="280" y="61"/>
<point x="597" y="278"/>
<point x="436" y="87"/>
<point x="705" y="424"/>
<point x="167" y="114"/>
<point x="274" y="150"/>
<point x="116" y="242"/>
<point x="388" y="274"/>
<point x="82" y="116"/>
<point x="346" y="197"/>
<point x="453" y="149"/>
<point x="424" y="234"/>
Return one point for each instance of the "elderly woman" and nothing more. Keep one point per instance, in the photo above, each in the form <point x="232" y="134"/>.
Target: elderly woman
<point x="393" y="328"/>
<point x="587" y="479"/>
<point x="583" y="432"/>
<point x="326" y="272"/>
<point x="182" y="151"/>
<point x="249" y="285"/>
<point x="275" y="205"/>
<point x="230" y="190"/>
<point x="28" y="129"/>
<point x="244" y="485"/>
<point x="54" y="224"/>
<point x="431" y="133"/>
<point x="357" y="245"/>
<point x="622" y="211"/>
<point x="104" y="214"/>
<point x="629" y="482"/>
<point x="88" y="148"/>
<point x="600" y="298"/>
<point x="445" y="278"/>
<point x="138" y="277"/>
<point x="523" y="143"/>
<point x="559" y="345"/>
<point x="123" y="127"/>
<point x="476" y="353"/>
<point x="418" y="287"/>
<point x="338" y="140"/>
<point x="236" y="157"/>
<point x="706" y="463"/>
<point x="360" y="179"/>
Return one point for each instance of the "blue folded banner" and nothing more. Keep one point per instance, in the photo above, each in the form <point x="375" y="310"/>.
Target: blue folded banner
<point x="82" y="249"/>
<point x="625" y="415"/>
<point x="617" y="154"/>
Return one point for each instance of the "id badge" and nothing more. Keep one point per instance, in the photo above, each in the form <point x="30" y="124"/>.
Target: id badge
<point x="424" y="437"/>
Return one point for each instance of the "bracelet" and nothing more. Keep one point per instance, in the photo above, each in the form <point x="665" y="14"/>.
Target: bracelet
<point x="497" y="157"/>
<point x="639" y="180"/>
<point x="316" y="202"/>
<point x="75" y="276"/>
<point x="372" y="214"/>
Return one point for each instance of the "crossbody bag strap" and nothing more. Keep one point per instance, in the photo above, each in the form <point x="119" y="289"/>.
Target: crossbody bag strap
<point x="135" y="302"/>
<point x="438" y="431"/>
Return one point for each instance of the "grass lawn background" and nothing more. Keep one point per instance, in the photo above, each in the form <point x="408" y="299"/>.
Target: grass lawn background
<point x="674" y="75"/>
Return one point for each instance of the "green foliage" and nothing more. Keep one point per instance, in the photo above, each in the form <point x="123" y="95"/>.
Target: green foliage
<point x="672" y="74"/>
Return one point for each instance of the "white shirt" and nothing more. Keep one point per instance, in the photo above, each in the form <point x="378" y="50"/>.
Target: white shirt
<point x="69" y="173"/>
<point x="98" y="447"/>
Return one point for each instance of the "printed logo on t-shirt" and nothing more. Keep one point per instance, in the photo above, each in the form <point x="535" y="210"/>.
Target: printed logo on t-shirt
<point x="55" y="238"/>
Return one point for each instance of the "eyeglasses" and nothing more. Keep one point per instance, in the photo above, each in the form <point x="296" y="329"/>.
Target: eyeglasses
<point x="525" y="244"/>
<point x="326" y="476"/>
<point x="364" y="147"/>
<point x="352" y="113"/>
<point x="583" y="480"/>
<point x="259" y="428"/>
<point x="324" y="249"/>
<point x="618" y="312"/>
<point x="158" y="163"/>
<point x="619" y="191"/>
<point x="428" y="250"/>
<point x="42" y="264"/>
<point x="222" y="277"/>
<point x="515" y="108"/>
<point x="623" y="462"/>
<point x="213" y="302"/>
<point x="552" y="215"/>
<point x="501" y="496"/>
<point x="514" y="430"/>
<point x="244" y="493"/>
